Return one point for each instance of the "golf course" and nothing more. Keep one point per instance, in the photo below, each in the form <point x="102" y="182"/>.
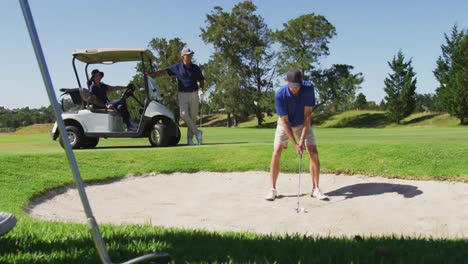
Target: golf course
<point x="33" y="165"/>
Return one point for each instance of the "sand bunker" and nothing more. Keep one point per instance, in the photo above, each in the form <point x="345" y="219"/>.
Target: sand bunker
<point x="234" y="202"/>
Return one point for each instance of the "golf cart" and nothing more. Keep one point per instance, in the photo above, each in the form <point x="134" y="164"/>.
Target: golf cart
<point x="85" y="124"/>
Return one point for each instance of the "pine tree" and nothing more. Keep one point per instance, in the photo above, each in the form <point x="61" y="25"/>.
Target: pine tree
<point x="400" y="87"/>
<point x="444" y="64"/>
<point x="361" y="101"/>
<point x="457" y="86"/>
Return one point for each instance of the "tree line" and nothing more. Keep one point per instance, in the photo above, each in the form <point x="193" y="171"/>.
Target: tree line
<point x="250" y="59"/>
<point x="451" y="72"/>
<point x="12" y="119"/>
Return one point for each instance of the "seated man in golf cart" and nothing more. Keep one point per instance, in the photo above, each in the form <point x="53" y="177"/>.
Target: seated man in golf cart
<point x="98" y="92"/>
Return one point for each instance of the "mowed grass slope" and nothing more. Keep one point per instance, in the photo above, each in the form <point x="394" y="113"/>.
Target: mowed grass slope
<point x="350" y="119"/>
<point x="32" y="164"/>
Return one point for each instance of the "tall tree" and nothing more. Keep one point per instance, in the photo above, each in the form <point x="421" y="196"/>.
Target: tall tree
<point x="457" y="87"/>
<point x="444" y="64"/>
<point x="226" y="92"/>
<point x="361" y="101"/>
<point x="241" y="39"/>
<point x="167" y="52"/>
<point x="424" y="102"/>
<point x="337" y="86"/>
<point x="400" y="87"/>
<point x="303" y="41"/>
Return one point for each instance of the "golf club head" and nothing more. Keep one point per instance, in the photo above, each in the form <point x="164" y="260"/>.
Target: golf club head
<point x="301" y="210"/>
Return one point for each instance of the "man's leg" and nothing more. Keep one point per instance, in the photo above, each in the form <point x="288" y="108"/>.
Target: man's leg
<point x="194" y="115"/>
<point x="314" y="165"/>
<point x="275" y="164"/>
<point x="274" y="172"/>
<point x="315" y="172"/>
<point x="184" y="105"/>
<point x="280" y="143"/>
<point x="121" y="106"/>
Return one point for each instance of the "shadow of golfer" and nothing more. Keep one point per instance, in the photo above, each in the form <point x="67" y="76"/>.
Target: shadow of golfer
<point x="281" y="196"/>
<point x="368" y="189"/>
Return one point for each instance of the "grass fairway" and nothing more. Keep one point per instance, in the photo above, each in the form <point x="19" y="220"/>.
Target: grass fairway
<point x="31" y="164"/>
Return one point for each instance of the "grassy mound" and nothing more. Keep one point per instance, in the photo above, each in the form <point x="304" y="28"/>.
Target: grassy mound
<point x="34" y="129"/>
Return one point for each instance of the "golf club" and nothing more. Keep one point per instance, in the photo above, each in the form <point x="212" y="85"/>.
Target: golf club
<point x="200" y="94"/>
<point x="298" y="208"/>
<point x="92" y="224"/>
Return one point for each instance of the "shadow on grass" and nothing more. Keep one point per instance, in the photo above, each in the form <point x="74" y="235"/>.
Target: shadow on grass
<point x="265" y="125"/>
<point x="321" y="117"/>
<point x="225" y="143"/>
<point x="176" y="146"/>
<point x="369" y="189"/>
<point x="120" y="147"/>
<point x="216" y="121"/>
<point x="367" y="120"/>
<point x="419" y="119"/>
<point x="187" y="246"/>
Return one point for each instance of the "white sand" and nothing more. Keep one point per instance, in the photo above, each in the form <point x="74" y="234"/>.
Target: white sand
<point x="234" y="202"/>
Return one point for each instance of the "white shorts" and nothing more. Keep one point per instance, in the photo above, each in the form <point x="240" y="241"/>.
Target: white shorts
<point x="282" y="138"/>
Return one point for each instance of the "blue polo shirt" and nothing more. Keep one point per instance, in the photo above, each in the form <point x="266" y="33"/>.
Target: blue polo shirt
<point x="187" y="79"/>
<point x="100" y="92"/>
<point x="293" y="106"/>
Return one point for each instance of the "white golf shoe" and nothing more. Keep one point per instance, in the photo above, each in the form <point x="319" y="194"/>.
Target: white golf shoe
<point x="190" y="142"/>
<point x="7" y="222"/>
<point x="271" y="195"/>
<point x="318" y="194"/>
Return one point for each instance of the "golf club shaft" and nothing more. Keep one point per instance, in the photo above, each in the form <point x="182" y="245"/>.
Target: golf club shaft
<point x="61" y="125"/>
<point x="299" y="184"/>
<point x="201" y="113"/>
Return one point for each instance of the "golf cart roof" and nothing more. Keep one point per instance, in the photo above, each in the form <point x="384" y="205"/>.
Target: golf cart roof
<point x="94" y="56"/>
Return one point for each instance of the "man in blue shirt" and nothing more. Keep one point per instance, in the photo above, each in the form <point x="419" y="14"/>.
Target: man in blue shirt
<point x="294" y="103"/>
<point x="188" y="76"/>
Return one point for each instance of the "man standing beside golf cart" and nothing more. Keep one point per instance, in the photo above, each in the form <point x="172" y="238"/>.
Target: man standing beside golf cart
<point x="98" y="91"/>
<point x="188" y="76"/>
<point x="294" y="103"/>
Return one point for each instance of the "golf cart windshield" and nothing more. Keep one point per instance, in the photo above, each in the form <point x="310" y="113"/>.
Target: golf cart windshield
<point x="154" y="93"/>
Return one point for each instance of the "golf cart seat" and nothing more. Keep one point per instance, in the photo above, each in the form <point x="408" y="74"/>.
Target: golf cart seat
<point x="87" y="102"/>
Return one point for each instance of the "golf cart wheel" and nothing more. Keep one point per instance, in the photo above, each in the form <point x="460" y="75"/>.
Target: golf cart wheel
<point x="159" y="136"/>
<point x="75" y="136"/>
<point x="175" y="139"/>
<point x="90" y="142"/>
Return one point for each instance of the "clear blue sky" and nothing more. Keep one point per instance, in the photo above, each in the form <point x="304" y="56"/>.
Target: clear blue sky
<point x="369" y="33"/>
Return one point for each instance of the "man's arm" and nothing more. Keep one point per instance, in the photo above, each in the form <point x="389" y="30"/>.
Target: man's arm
<point x="287" y="127"/>
<point x="305" y="125"/>
<point x="202" y="85"/>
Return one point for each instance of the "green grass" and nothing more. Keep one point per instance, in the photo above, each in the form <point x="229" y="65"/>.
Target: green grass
<point x="32" y="164"/>
<point x="378" y="119"/>
<point x="350" y="119"/>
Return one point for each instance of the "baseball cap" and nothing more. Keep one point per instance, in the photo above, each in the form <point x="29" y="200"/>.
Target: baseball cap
<point x="186" y="51"/>
<point x="294" y="78"/>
